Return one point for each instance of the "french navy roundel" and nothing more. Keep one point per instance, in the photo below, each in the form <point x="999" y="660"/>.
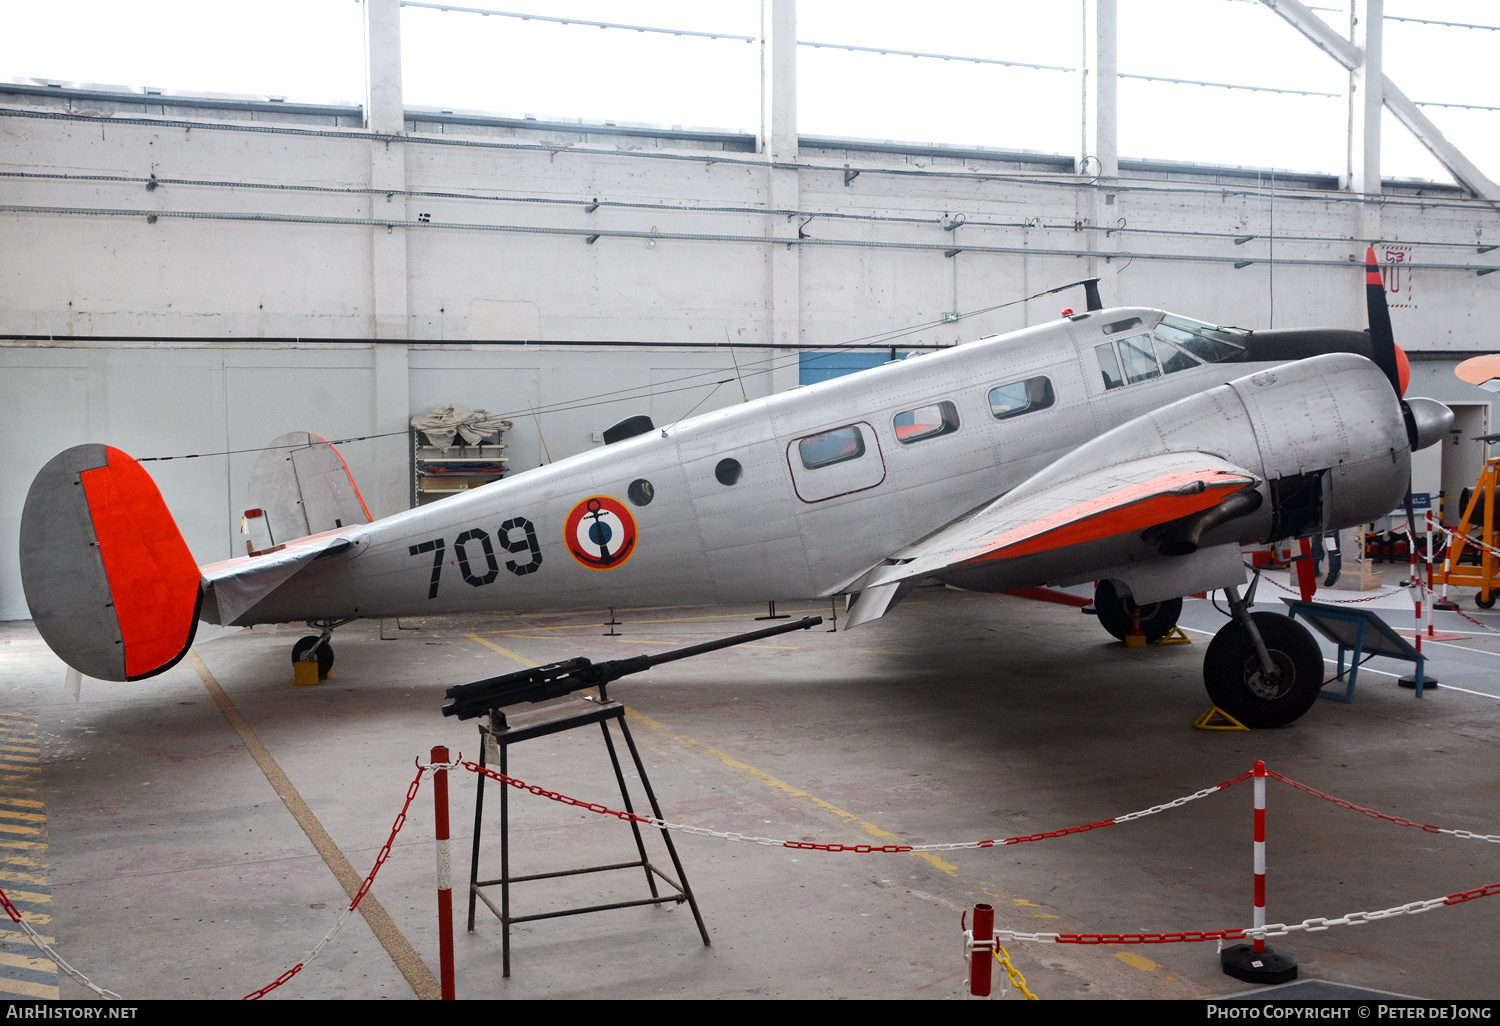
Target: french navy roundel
<point x="600" y="533"/>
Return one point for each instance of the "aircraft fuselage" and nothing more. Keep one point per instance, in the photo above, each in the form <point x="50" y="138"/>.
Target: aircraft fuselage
<point x="767" y="499"/>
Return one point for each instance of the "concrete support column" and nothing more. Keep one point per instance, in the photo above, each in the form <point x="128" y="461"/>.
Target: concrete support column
<point x="384" y="112"/>
<point x="385" y="116"/>
<point x="1366" y="101"/>
<point x="1099" y="152"/>
<point x="778" y="144"/>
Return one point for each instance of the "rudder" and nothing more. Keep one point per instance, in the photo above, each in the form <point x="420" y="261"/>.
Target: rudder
<point x="111" y="584"/>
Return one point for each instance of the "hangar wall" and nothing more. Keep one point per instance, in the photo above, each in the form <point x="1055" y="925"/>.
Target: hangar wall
<point x="277" y="267"/>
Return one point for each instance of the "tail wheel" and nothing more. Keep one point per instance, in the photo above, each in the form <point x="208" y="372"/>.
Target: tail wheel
<point x="324" y="654"/>
<point x="1117" y="615"/>
<point x="1238" y="684"/>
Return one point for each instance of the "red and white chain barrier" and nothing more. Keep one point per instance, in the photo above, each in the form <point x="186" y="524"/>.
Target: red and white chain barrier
<point x="439" y="767"/>
<point x="1258" y="932"/>
<point x="860" y="849"/>
<point x="45" y="948"/>
<point x="1340" y="602"/>
<point x="385" y="853"/>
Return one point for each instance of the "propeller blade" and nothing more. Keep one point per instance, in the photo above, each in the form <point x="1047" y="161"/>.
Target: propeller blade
<point x="1382" y="339"/>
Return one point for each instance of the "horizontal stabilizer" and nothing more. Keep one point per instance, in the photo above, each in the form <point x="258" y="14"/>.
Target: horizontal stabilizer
<point x="236" y="585"/>
<point x="110" y="583"/>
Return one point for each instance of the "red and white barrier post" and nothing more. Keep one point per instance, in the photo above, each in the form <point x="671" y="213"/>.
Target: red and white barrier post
<point x="1255" y="962"/>
<point x="444" y="872"/>
<point x="980" y="945"/>
<point x="1427" y="588"/>
<point x="1422" y="599"/>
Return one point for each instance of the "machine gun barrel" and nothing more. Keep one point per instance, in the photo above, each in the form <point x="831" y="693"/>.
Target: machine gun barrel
<point x="539" y="683"/>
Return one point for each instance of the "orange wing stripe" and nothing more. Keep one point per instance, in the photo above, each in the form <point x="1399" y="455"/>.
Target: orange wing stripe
<point x="1132" y="508"/>
<point x="153" y="580"/>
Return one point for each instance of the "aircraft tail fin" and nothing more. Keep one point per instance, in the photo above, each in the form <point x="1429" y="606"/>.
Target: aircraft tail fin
<point x="301" y="486"/>
<point x="110" y="582"/>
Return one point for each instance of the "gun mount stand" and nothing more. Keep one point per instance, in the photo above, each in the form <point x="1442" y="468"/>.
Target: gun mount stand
<point x="578" y="713"/>
<point x="555" y="680"/>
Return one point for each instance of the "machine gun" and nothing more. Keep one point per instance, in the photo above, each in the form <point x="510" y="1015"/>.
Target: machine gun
<point x="554" y="680"/>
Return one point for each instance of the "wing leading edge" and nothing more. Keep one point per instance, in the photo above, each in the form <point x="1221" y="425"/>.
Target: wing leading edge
<point x="1100" y="515"/>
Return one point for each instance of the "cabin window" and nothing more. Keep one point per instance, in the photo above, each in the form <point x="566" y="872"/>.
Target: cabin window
<point x="831" y="447"/>
<point x="1172" y="359"/>
<point x="1109" y="365"/>
<point x="926" y="422"/>
<point x="1138" y="358"/>
<point x="1020" y="397"/>
<point x="640" y="492"/>
<point x="728" y="471"/>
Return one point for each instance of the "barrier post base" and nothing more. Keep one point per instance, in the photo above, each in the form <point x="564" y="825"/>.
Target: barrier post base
<point x="1410" y="682"/>
<point x="1269" y="966"/>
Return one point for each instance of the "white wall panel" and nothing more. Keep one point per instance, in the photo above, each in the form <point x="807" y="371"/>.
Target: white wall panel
<point x="250" y="283"/>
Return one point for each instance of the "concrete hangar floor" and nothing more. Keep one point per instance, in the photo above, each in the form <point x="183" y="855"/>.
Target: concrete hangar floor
<point x="166" y="864"/>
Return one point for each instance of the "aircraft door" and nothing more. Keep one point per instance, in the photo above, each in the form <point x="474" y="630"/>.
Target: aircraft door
<point x="835" y="462"/>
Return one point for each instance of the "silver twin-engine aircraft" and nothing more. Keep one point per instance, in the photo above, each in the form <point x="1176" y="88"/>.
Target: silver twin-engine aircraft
<point x="1127" y="446"/>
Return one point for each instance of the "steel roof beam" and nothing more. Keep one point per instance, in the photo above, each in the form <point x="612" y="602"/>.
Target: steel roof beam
<point x="1352" y="58"/>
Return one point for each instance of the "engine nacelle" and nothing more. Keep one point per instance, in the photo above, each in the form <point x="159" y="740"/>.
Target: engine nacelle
<point x="1325" y="435"/>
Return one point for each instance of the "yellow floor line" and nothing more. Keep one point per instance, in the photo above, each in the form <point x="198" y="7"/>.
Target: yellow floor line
<point x="402" y="953"/>
<point x="31" y="990"/>
<point x="763" y="777"/>
<point x="30" y="817"/>
<point x="40" y="965"/>
<point x="21" y="937"/>
<point x="28" y="897"/>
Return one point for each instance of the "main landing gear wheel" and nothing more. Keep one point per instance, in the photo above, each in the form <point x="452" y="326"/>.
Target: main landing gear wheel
<point x="1117" y="615"/>
<point x="1237" y="683"/>
<point x="325" y="654"/>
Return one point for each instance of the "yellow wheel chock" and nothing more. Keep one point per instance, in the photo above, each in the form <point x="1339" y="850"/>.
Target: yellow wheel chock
<point x="1174" y="637"/>
<point x="1217" y="719"/>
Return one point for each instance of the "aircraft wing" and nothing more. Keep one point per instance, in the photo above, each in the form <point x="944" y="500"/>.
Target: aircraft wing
<point x="1090" y="522"/>
<point x="232" y="587"/>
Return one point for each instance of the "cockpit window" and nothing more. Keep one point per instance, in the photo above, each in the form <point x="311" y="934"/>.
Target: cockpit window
<point x="1208" y="343"/>
<point x="1109" y="365"/>
<point x="1138" y="358"/>
<point x="1172" y="359"/>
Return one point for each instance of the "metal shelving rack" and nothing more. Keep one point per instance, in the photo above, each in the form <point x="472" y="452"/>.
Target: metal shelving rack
<point x="436" y="475"/>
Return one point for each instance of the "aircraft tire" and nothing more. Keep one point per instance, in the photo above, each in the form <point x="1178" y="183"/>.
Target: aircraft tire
<point x="1117" y="614"/>
<point x="1232" y="673"/>
<point x="325" y="654"/>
